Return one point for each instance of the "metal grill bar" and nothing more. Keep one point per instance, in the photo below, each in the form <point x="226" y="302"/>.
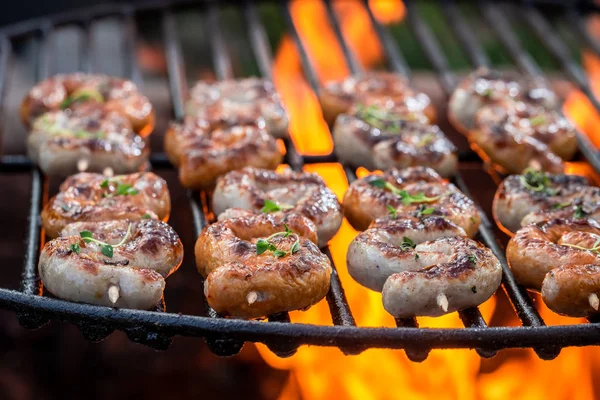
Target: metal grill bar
<point x="179" y="90"/>
<point x="396" y="60"/>
<point x="470" y="317"/>
<point x="336" y="299"/>
<point x="420" y="353"/>
<point x="465" y="35"/>
<point x="502" y="27"/>
<point x="30" y="283"/>
<point x="353" y="63"/>
<point x="521" y="300"/>
<point x="262" y="53"/>
<point x="559" y="50"/>
<point x="5" y="60"/>
<point x="577" y="23"/>
<point x="226" y="336"/>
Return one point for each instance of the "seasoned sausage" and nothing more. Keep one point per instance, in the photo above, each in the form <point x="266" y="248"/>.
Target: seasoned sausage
<point x="337" y="97"/>
<point x="288" y="192"/>
<point x="95" y="197"/>
<point x="203" y="155"/>
<point x="130" y="274"/>
<point x="89" y="138"/>
<point x="69" y="91"/>
<point x="412" y="192"/>
<point x="239" y="102"/>
<point x="537" y="196"/>
<point x="377" y="137"/>
<point x="243" y="283"/>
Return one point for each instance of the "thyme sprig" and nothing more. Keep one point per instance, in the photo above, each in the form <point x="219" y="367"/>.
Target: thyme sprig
<point x="537" y="181"/>
<point x="383" y="119"/>
<point x="580" y="212"/>
<point x="82" y="94"/>
<point x="105" y="248"/>
<point x="406" y="197"/>
<point x="407" y="244"/>
<point x="262" y="245"/>
<point x="273" y="206"/>
<point x="594" y="249"/>
<point x="122" y="189"/>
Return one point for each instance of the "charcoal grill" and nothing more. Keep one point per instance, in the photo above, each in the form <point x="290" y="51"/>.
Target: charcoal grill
<point x="227" y="336"/>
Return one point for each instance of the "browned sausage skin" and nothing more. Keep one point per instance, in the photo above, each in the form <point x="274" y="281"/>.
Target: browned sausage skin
<point x="411" y="192"/>
<point x="72" y="90"/>
<point x="244" y="282"/>
<point x="95" y="197"/>
<point x="535" y="250"/>
<point x="337" y="97"/>
<point x="203" y="151"/>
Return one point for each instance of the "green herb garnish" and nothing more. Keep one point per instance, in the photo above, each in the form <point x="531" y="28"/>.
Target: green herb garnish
<point x="82" y="95"/>
<point x="580" y="212"/>
<point x="537" y="181"/>
<point x="560" y="206"/>
<point x="424" y="211"/>
<point x="105" y="248"/>
<point x="472" y="258"/>
<point x="146" y="216"/>
<point x="271" y="206"/>
<point x="405" y="196"/>
<point x="594" y="249"/>
<point x="392" y="211"/>
<point x="407" y="244"/>
<point x="473" y="220"/>
<point x="537" y="120"/>
<point x="487" y="93"/>
<point x="262" y="245"/>
<point x="122" y="189"/>
<point x="416" y="256"/>
<point x="75" y="247"/>
<point x="383" y="119"/>
<point x="425" y="140"/>
<point x="65" y="207"/>
<point x="474" y="289"/>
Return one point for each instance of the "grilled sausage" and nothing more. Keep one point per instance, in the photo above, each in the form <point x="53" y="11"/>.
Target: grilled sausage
<point x="151" y="244"/>
<point x="69" y="91"/>
<point x="572" y="290"/>
<point x="337" y="97"/>
<point x="515" y="144"/>
<point x="377" y="253"/>
<point x="484" y="87"/>
<point x="457" y="273"/>
<point x="239" y="102"/>
<point x="203" y="155"/>
<point x="60" y="141"/>
<point x="292" y="192"/>
<point x="417" y="192"/>
<point x="535" y="250"/>
<point x="241" y="283"/>
<point x="536" y="196"/>
<point x="376" y="137"/>
<point x="94" y="197"/>
<point x="131" y="275"/>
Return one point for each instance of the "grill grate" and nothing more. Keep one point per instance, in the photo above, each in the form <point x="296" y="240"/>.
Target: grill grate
<point x="227" y="336"/>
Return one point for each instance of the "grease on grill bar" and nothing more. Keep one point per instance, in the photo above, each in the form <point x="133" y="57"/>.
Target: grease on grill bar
<point x="225" y="336"/>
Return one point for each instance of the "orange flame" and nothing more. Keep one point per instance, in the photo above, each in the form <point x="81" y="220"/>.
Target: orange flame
<point x="386" y="374"/>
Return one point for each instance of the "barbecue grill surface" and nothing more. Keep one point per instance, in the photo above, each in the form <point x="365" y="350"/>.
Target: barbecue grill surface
<point x="155" y="328"/>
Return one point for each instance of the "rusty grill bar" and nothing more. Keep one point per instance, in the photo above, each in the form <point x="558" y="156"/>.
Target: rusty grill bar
<point x="227" y="336"/>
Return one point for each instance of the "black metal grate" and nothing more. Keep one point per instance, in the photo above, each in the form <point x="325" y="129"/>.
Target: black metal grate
<point x="227" y="336"/>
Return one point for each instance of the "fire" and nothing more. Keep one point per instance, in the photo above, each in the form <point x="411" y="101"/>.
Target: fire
<point x="326" y="372"/>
